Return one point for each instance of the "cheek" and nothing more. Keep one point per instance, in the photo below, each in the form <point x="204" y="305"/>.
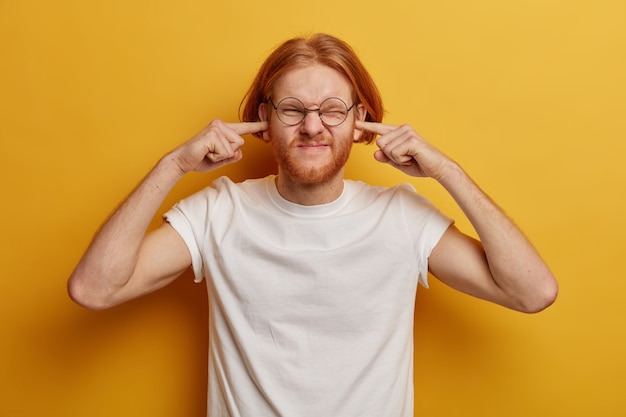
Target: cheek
<point x="345" y="133"/>
<point x="278" y="132"/>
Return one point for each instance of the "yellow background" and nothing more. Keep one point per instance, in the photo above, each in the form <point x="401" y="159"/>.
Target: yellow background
<point x="529" y="96"/>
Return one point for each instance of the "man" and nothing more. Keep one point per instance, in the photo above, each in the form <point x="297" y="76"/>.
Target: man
<point x="311" y="278"/>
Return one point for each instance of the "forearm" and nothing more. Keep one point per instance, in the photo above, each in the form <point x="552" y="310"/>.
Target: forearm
<point x="111" y="258"/>
<point x="515" y="266"/>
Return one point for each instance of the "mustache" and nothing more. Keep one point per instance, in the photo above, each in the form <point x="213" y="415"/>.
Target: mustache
<point x="322" y="139"/>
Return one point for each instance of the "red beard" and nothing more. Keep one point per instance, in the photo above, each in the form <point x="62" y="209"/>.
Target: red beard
<point x="293" y="163"/>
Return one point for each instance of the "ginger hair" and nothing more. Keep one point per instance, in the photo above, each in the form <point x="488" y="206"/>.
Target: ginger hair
<point x="316" y="49"/>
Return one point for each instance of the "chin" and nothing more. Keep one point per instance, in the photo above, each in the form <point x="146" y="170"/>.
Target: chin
<point x="313" y="176"/>
<point x="312" y="173"/>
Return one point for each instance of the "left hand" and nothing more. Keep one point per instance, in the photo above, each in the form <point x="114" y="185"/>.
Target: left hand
<point x="404" y="149"/>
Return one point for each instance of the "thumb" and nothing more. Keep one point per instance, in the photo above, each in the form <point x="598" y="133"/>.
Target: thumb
<point x="381" y="157"/>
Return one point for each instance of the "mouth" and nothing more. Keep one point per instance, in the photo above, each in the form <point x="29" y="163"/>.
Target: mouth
<point x="313" y="145"/>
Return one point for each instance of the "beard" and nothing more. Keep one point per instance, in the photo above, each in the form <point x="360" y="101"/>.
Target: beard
<point x="311" y="172"/>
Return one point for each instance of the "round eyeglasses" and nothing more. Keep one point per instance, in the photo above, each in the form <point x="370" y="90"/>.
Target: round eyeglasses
<point x="333" y="111"/>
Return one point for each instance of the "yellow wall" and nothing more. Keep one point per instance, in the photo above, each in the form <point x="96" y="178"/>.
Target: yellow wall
<point x="529" y="96"/>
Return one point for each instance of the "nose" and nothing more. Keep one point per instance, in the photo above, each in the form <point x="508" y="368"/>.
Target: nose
<point x="312" y="124"/>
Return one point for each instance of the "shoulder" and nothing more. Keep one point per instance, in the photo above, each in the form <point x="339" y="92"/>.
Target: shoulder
<point x="403" y="193"/>
<point x="224" y="187"/>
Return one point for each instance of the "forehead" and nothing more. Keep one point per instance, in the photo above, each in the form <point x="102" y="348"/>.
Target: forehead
<point x="312" y="84"/>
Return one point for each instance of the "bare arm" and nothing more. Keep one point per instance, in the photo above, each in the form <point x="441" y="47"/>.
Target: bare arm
<point x="503" y="266"/>
<point x="123" y="262"/>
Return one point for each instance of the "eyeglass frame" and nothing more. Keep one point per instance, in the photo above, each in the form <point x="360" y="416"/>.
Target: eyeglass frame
<point x="307" y="111"/>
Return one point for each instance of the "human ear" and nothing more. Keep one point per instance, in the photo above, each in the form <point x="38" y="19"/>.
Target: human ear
<point x="361" y="113"/>
<point x="264" y="117"/>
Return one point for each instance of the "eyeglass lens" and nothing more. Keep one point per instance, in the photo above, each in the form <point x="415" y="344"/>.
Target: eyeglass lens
<point x="333" y="111"/>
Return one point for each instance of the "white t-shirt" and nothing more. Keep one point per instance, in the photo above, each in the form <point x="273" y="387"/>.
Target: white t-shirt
<point x="310" y="307"/>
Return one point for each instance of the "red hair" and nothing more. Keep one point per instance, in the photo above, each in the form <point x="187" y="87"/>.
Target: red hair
<point x="317" y="49"/>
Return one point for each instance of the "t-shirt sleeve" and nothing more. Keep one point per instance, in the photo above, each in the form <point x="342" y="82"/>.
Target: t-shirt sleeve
<point x="427" y="224"/>
<point x="436" y="226"/>
<point x="189" y="218"/>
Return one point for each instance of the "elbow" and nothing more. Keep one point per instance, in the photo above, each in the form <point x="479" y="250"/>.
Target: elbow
<point x="543" y="298"/>
<point x="84" y="295"/>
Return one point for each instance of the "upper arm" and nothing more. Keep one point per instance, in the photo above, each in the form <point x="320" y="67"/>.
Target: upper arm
<point x="460" y="262"/>
<point x="163" y="256"/>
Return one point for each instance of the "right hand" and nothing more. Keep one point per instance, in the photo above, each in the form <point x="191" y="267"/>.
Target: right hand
<point x="215" y="146"/>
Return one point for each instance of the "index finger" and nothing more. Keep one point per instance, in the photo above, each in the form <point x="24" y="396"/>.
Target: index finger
<point x="245" y="128"/>
<point x="378" y="128"/>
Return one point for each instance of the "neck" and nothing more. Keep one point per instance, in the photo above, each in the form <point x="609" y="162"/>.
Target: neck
<point x="310" y="194"/>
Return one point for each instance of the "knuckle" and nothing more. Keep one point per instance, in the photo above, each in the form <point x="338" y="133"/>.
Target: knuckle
<point x="397" y="155"/>
<point x="406" y="128"/>
<point x="217" y="122"/>
<point x="213" y="157"/>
